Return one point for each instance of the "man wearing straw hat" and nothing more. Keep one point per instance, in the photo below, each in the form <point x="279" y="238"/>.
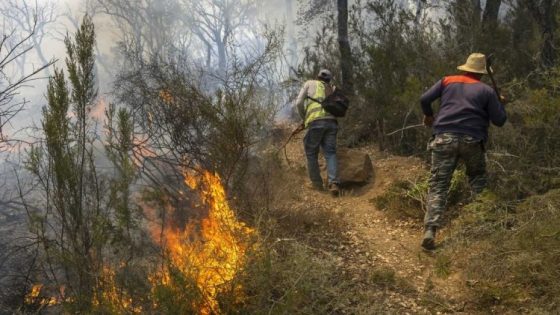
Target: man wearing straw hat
<point x="460" y="130"/>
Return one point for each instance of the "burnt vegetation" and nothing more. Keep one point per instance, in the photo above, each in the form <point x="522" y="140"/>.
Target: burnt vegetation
<point x="185" y="153"/>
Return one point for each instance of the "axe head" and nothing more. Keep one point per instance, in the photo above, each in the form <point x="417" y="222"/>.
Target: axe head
<point x="489" y="60"/>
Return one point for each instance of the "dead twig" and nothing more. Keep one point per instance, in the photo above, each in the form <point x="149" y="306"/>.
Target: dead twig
<point x="405" y="128"/>
<point x="299" y="129"/>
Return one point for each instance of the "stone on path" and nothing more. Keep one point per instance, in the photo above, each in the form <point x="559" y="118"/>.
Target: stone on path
<point x="354" y="166"/>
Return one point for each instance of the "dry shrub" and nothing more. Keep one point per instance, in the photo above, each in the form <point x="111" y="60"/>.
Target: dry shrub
<point x="386" y="278"/>
<point x="307" y="222"/>
<point x="512" y="256"/>
<point x="482" y="217"/>
<point x="288" y="277"/>
<point x="529" y="142"/>
<point x="290" y="271"/>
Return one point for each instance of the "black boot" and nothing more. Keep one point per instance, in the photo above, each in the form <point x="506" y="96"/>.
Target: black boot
<point x="429" y="241"/>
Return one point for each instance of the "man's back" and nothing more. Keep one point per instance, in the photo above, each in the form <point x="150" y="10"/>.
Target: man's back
<point x="318" y="90"/>
<point x="467" y="106"/>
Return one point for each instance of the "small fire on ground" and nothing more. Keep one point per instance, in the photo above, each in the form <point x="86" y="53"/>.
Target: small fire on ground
<point x="34" y="296"/>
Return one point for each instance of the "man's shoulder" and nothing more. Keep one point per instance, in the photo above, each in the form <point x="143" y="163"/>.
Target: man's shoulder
<point x="310" y="82"/>
<point x="459" y="79"/>
<point x="487" y="88"/>
<point x="465" y="80"/>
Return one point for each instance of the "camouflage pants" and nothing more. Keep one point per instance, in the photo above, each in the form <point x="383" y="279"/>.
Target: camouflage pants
<point x="447" y="150"/>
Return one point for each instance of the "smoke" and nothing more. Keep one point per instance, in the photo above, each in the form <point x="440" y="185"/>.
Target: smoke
<point x="165" y="28"/>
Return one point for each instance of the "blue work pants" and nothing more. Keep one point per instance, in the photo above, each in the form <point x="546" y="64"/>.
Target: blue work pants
<point x="321" y="134"/>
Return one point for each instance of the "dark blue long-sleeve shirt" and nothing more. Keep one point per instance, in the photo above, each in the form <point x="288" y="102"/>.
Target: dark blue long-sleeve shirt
<point x="467" y="106"/>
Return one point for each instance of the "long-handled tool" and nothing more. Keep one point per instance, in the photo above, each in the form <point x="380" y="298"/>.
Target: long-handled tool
<point x="489" y="61"/>
<point x="299" y="129"/>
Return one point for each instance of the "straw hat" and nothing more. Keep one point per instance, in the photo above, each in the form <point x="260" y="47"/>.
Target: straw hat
<point x="476" y="63"/>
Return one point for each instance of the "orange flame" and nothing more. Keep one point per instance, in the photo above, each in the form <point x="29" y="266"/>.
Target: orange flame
<point x="209" y="255"/>
<point x="166" y="97"/>
<point x="32" y="296"/>
<point x="213" y="256"/>
<point x="35" y="296"/>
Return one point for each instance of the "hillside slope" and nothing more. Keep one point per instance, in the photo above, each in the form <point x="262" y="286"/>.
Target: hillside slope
<point x="381" y="256"/>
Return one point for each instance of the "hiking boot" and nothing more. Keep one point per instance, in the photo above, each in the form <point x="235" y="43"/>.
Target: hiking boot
<point x="334" y="189"/>
<point x="429" y="241"/>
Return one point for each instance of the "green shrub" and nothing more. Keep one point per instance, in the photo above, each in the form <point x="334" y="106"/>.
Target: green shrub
<point x="408" y="198"/>
<point x="403" y="199"/>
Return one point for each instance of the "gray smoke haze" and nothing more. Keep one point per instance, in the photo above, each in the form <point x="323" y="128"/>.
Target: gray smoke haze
<point x="64" y="16"/>
<point x="174" y="27"/>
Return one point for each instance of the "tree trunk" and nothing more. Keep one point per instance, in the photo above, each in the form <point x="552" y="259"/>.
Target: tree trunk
<point x="419" y="10"/>
<point x="222" y="59"/>
<point x="292" y="41"/>
<point x="486" y="41"/>
<point x="344" y="45"/>
<point x="544" y="13"/>
<point x="41" y="56"/>
<point x="208" y="56"/>
<point x="491" y="12"/>
<point x="477" y="12"/>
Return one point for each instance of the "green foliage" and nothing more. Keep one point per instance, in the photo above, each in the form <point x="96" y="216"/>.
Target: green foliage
<point x="188" y="119"/>
<point x="399" y="203"/>
<point x="408" y="198"/>
<point x="486" y="214"/>
<point x="529" y="143"/>
<point x="65" y="169"/>
<point x="79" y="212"/>
<point x="119" y="146"/>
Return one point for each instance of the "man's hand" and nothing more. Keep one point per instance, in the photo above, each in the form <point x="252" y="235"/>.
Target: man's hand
<point x="428" y="121"/>
<point x="503" y="99"/>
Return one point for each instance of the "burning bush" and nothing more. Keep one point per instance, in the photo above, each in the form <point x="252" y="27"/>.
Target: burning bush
<point x="202" y="260"/>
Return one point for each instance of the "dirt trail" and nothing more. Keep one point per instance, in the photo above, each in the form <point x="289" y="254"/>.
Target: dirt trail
<point x="409" y="280"/>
